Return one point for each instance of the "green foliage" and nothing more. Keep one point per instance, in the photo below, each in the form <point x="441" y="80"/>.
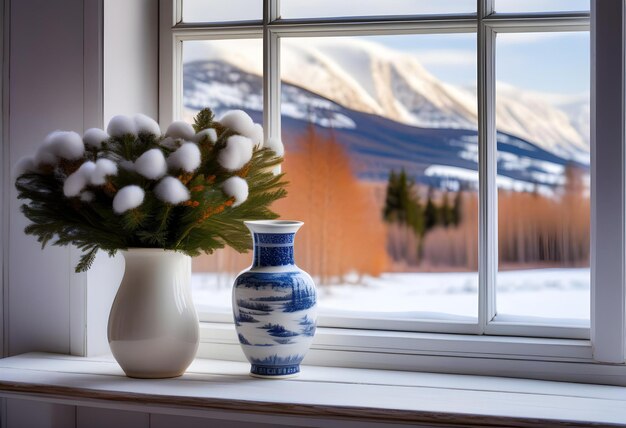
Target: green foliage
<point x="431" y="214"/>
<point x="402" y="204"/>
<point x="204" y="223"/>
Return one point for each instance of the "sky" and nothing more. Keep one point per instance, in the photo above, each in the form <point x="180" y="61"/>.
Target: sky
<point x="542" y="62"/>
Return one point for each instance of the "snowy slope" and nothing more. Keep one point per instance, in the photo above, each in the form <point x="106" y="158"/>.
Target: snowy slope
<point x="433" y="155"/>
<point x="371" y="78"/>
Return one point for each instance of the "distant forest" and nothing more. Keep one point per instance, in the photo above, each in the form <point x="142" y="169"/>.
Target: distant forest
<point x="358" y="227"/>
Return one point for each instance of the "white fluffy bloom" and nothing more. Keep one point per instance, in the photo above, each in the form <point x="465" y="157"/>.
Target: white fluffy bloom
<point x="276" y="145"/>
<point x="151" y="164"/>
<point x="67" y="145"/>
<point x="171" y="190"/>
<point x="208" y="133"/>
<point x="146" y="125"/>
<point x="187" y="158"/>
<point x="43" y="157"/>
<point x="87" y="196"/>
<point x="104" y="168"/>
<point x="24" y="165"/>
<point x="76" y="181"/>
<point x="236" y="154"/>
<point x="94" y="137"/>
<point x="237" y="188"/>
<point x="127" y="198"/>
<point x="60" y="144"/>
<point x="121" y="125"/>
<point x="257" y="135"/>
<point x="238" y="121"/>
<point x="180" y="129"/>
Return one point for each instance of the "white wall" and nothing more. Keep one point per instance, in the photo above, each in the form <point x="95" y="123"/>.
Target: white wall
<point x="131" y="57"/>
<point x="45" y="93"/>
<point x="57" y="80"/>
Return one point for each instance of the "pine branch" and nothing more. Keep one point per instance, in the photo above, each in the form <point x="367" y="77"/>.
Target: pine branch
<point x="206" y="222"/>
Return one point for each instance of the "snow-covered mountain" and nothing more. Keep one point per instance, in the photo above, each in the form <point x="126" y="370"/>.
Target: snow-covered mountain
<point x="445" y="157"/>
<point x="371" y="78"/>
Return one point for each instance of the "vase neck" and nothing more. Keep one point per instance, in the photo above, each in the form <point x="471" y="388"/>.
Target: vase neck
<point x="273" y="249"/>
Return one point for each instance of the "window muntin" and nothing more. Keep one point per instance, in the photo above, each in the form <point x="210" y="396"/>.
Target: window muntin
<point x="487" y="322"/>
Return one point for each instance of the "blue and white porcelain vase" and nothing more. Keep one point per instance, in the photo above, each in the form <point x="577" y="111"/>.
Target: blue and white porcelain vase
<point x="274" y="302"/>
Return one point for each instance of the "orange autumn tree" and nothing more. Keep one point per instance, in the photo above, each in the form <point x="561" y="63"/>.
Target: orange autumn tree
<point x="342" y="232"/>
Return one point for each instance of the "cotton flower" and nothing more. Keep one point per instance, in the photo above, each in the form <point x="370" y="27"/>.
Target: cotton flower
<point x="151" y="164"/>
<point x="206" y="133"/>
<point x="276" y="145"/>
<point x="87" y="196"/>
<point x="146" y="125"/>
<point x="127" y="198"/>
<point x="104" y="167"/>
<point x="76" y="182"/>
<point x="180" y="129"/>
<point x="257" y="135"/>
<point x="94" y="137"/>
<point x="171" y="190"/>
<point x="238" y="121"/>
<point x="44" y="157"/>
<point x="187" y="158"/>
<point x="60" y="144"/>
<point x="236" y="154"/>
<point x="24" y="165"/>
<point x="236" y="187"/>
<point x="121" y="125"/>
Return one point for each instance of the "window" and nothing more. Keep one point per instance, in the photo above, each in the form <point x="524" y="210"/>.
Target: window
<point x="477" y="121"/>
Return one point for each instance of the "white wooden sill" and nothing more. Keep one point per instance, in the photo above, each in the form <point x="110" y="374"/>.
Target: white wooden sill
<point x="318" y="394"/>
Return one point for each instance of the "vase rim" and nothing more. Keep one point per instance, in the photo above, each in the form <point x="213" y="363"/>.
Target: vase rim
<point x="273" y="226"/>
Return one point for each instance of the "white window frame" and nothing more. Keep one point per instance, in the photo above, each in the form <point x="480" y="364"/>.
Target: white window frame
<point x="494" y="345"/>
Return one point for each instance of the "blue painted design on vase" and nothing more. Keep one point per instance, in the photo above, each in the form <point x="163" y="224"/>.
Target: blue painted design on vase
<point x="274" y="303"/>
<point x="274" y="238"/>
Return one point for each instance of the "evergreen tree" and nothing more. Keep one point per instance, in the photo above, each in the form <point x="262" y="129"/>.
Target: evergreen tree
<point x="402" y="202"/>
<point x="392" y="199"/>
<point x="430" y="212"/>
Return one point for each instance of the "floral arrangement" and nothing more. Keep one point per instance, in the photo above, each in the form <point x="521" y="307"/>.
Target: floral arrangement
<point x="129" y="186"/>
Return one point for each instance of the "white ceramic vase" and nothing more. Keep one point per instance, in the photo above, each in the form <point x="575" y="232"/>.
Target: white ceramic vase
<point x="153" y="325"/>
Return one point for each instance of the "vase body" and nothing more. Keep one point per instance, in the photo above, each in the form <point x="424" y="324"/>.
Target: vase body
<point x="153" y="325"/>
<point x="274" y="303"/>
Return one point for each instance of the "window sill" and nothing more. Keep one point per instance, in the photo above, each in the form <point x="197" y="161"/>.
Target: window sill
<point x="211" y="386"/>
<point x="565" y="360"/>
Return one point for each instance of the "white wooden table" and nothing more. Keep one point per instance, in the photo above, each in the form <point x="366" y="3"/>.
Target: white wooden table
<point x="320" y="396"/>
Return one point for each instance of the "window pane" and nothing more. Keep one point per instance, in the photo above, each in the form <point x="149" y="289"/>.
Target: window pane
<point x="381" y="156"/>
<point x="222" y="11"/>
<point x="513" y="6"/>
<point x="348" y="8"/>
<point x="542" y="115"/>
<point x="222" y="75"/>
